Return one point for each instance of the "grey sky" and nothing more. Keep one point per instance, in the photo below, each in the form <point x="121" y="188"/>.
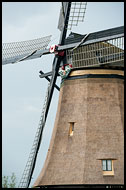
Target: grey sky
<point x="23" y="92"/>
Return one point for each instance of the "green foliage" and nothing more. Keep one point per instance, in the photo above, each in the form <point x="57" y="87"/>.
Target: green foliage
<point x="9" y="182"/>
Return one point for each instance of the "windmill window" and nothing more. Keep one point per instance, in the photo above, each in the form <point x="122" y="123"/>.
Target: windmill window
<point x="107" y="165"/>
<point x="71" y="129"/>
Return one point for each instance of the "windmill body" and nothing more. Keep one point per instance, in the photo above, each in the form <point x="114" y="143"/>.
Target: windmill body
<point x="95" y="108"/>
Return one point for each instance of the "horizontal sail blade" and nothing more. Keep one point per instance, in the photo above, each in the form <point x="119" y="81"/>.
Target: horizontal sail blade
<point x="24" y="50"/>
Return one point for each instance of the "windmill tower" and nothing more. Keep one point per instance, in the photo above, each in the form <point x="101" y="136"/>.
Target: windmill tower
<point x="86" y="148"/>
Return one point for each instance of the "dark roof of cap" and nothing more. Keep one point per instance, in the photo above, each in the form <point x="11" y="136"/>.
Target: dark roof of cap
<point x="75" y="37"/>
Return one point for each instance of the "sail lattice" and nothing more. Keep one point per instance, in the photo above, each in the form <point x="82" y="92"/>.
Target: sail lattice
<point x="16" y="51"/>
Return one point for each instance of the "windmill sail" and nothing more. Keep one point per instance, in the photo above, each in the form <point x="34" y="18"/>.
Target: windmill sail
<point x="77" y="14"/>
<point x="61" y="18"/>
<point x="29" y="168"/>
<point x="19" y="51"/>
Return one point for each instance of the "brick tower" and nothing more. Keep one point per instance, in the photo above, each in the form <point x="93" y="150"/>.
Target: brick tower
<point x="87" y="144"/>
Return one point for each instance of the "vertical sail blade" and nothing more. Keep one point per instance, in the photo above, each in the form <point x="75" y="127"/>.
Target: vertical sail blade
<point x="29" y="168"/>
<point x="77" y="14"/>
<point x="62" y="16"/>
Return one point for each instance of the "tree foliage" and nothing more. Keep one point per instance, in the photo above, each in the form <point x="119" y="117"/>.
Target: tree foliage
<point x="9" y="181"/>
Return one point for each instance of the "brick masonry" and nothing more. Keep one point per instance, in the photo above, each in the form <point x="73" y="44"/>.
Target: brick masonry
<point x="96" y="105"/>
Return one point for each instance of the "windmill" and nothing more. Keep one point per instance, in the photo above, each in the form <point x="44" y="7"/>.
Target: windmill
<point x="68" y="50"/>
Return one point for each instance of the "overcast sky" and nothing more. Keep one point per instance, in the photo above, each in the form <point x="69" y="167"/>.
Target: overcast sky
<point x="23" y="92"/>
